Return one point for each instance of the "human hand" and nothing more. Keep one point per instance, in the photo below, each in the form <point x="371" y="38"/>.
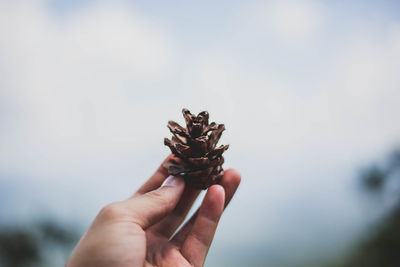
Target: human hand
<point x="139" y="231"/>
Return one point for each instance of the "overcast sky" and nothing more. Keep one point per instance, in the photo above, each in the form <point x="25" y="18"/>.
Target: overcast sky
<point x="308" y="91"/>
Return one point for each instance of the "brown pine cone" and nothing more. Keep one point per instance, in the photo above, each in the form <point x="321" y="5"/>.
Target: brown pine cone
<point x="198" y="160"/>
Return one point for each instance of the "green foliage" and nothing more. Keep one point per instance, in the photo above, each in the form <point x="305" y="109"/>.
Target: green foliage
<point x="18" y="247"/>
<point x="381" y="247"/>
<point x="374" y="178"/>
<point x="29" y="245"/>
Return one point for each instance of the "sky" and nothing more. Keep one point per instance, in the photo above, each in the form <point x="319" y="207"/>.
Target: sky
<point x="308" y="91"/>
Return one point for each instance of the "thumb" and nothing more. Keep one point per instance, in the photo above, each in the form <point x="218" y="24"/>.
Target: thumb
<point x="151" y="207"/>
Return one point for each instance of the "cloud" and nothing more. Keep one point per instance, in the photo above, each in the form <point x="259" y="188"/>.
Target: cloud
<point x="291" y="23"/>
<point x="71" y="84"/>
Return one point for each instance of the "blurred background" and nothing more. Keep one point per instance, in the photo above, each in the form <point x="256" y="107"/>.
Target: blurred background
<point x="309" y="92"/>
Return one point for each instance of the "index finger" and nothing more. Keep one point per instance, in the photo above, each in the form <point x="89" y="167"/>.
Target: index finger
<point x="156" y="180"/>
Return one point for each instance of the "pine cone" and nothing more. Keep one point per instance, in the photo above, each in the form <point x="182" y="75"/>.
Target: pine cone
<point x="197" y="160"/>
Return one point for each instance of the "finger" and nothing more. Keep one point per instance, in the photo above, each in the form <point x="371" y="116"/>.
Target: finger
<point x="230" y="182"/>
<point x="170" y="223"/>
<point x="149" y="208"/>
<point x="197" y="243"/>
<point x="155" y="180"/>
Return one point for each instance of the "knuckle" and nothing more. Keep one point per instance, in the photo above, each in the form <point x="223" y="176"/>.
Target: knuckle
<point x="110" y="211"/>
<point x="160" y="198"/>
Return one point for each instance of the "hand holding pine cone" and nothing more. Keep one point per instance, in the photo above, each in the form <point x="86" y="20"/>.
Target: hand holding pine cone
<point x="198" y="161"/>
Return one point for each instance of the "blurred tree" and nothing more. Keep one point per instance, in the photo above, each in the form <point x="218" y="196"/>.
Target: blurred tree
<point x="373" y="178"/>
<point x="382" y="247"/>
<point x="18" y="248"/>
<point x="29" y="246"/>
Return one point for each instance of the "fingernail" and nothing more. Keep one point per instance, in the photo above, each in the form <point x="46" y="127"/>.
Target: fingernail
<point x="172" y="181"/>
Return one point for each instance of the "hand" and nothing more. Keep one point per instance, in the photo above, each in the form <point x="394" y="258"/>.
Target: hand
<point x="139" y="231"/>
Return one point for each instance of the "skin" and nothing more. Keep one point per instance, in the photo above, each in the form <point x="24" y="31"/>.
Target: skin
<point x="140" y="231"/>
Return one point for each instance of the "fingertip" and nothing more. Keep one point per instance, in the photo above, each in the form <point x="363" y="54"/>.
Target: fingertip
<point x="214" y="201"/>
<point x="217" y="190"/>
<point x="234" y="176"/>
<point x="230" y="182"/>
<point x="161" y="168"/>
